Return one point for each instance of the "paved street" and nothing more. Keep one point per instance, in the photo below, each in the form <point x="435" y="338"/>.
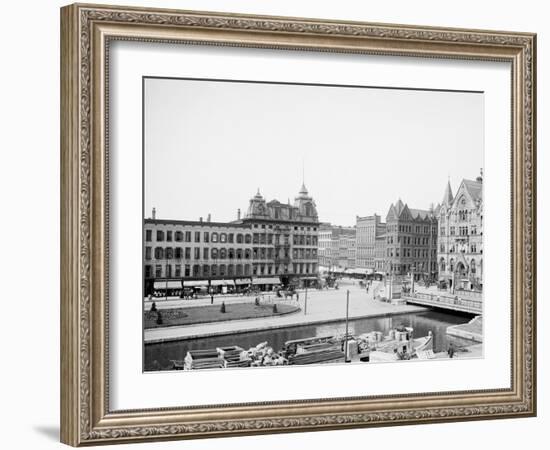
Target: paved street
<point x="322" y="306"/>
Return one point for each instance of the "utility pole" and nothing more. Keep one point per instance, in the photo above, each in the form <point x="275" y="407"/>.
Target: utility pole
<point x="347" y="328"/>
<point x="305" y="302"/>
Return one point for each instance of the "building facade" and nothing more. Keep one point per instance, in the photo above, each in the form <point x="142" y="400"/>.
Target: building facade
<point x="460" y="236"/>
<point x="411" y="242"/>
<point x="285" y="238"/>
<point x="367" y="230"/>
<point x="190" y="251"/>
<point x="336" y="247"/>
<point x="273" y="244"/>
<point x="380" y="254"/>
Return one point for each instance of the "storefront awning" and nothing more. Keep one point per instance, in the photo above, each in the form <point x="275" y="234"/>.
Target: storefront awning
<point x="170" y="284"/>
<point x="308" y="278"/>
<point x="274" y="280"/>
<point x="222" y="283"/>
<point x="241" y="281"/>
<point x="196" y="283"/>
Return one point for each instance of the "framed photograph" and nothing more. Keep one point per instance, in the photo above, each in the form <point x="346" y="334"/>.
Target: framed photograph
<point x="276" y="224"/>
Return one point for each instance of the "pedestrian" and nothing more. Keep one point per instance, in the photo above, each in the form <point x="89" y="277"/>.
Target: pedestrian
<point x="451" y="350"/>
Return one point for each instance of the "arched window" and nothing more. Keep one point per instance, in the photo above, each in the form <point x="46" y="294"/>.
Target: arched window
<point x="214" y="253"/>
<point x="231" y="253"/>
<point x="214" y="270"/>
<point x="452" y="265"/>
<point x="248" y="239"/>
<point x="247" y="254"/>
<point x="222" y="270"/>
<point x="239" y="238"/>
<point x="223" y="237"/>
<point x="239" y="253"/>
<point x="159" y="253"/>
<point x="205" y="270"/>
<point x="473" y="266"/>
<point x="223" y="253"/>
<point x="179" y="236"/>
<point x="239" y="270"/>
<point x="442" y="265"/>
<point x="214" y="237"/>
<point x="230" y="270"/>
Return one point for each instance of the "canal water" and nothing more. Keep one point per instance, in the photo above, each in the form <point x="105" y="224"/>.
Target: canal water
<point x="159" y="356"/>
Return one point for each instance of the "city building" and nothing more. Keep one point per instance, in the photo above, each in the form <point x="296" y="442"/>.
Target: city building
<point x="460" y="236"/>
<point x="411" y="242"/>
<point x="367" y="230"/>
<point x="199" y="253"/>
<point x="284" y="238"/>
<point x="336" y="247"/>
<point x="273" y="244"/>
<point x="324" y="250"/>
<point x="380" y="265"/>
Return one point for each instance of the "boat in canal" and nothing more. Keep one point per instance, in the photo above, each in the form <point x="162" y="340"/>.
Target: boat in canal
<point x="398" y="344"/>
<point x="315" y="350"/>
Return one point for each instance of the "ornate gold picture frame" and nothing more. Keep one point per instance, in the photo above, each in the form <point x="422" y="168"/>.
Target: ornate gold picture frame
<point x="86" y="34"/>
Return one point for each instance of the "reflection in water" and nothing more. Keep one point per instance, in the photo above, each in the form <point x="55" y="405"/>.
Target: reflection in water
<point x="159" y="356"/>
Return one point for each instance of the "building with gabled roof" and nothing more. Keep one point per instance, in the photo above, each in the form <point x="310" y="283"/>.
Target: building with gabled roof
<point x="411" y="240"/>
<point x="460" y="236"/>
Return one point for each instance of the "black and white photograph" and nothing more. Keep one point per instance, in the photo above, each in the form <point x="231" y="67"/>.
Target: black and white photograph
<point x="294" y="224"/>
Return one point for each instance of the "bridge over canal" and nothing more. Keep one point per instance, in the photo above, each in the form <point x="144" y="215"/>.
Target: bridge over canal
<point x="468" y="302"/>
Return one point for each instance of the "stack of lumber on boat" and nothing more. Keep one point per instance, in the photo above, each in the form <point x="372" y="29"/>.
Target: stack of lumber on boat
<point x="203" y="359"/>
<point x="317" y="354"/>
<point x="231" y="357"/>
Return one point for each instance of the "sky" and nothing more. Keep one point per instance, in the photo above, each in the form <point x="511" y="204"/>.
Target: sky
<point x="210" y="145"/>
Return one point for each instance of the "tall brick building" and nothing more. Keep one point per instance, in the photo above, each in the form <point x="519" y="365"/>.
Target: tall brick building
<point x="411" y="241"/>
<point x="367" y="230"/>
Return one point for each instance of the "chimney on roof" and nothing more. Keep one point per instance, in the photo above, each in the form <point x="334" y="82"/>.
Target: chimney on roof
<point x="239" y="214"/>
<point x="154" y="213"/>
<point x="200" y="219"/>
<point x="209" y="218"/>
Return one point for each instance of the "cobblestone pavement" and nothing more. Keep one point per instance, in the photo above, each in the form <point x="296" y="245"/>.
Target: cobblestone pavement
<point x="322" y="306"/>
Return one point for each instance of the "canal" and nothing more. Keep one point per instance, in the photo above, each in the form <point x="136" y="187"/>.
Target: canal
<point x="159" y="356"/>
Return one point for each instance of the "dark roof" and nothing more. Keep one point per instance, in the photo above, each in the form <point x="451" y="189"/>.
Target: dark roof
<point x="474" y="188"/>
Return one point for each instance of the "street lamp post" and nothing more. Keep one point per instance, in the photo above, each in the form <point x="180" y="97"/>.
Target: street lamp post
<point x="347" y="328"/>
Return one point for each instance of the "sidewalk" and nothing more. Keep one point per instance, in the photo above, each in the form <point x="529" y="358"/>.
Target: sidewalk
<point x="322" y="307"/>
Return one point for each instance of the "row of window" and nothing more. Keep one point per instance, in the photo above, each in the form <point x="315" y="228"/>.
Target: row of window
<point x="206" y="236"/>
<point x="451" y="266"/>
<point x="197" y="270"/>
<point x="408" y="252"/>
<point x="296" y="228"/>
<point x="226" y="253"/>
<point x="462" y="231"/>
<point x="425" y="229"/>
<point x="452" y="248"/>
<point x="229" y="270"/>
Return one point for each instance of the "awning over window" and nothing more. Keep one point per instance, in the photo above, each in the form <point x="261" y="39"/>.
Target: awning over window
<point x="196" y="283"/>
<point x="170" y="284"/>
<point x="240" y="281"/>
<point x="274" y="280"/>
<point x="308" y="278"/>
<point x="222" y="283"/>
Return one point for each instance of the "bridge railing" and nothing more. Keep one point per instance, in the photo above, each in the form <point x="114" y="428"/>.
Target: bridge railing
<point x="447" y="301"/>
